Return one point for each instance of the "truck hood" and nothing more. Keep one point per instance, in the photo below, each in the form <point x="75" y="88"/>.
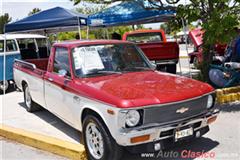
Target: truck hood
<point x="145" y="88"/>
<point x="196" y="36"/>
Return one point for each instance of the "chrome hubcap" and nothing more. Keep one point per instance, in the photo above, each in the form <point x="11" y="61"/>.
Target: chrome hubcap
<point x="28" y="97"/>
<point x="4" y="85"/>
<point x="94" y="141"/>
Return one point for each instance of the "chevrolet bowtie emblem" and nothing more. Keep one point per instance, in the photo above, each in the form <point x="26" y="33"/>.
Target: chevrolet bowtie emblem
<point x="182" y="110"/>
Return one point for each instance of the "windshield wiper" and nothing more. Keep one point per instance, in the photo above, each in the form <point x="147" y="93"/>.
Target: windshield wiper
<point x="137" y="69"/>
<point x="96" y="72"/>
<point x="109" y="72"/>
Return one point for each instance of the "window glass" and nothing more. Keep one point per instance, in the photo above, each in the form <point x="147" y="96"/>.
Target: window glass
<point x="26" y="44"/>
<point x="145" y="37"/>
<point x="42" y="42"/>
<point x="61" y="61"/>
<point x="96" y="60"/>
<point x="1" y="46"/>
<point x="11" y="46"/>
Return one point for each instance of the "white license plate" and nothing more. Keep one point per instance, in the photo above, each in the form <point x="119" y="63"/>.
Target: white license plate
<point x="183" y="133"/>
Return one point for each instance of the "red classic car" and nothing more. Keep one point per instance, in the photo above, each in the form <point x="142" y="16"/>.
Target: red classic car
<point x="110" y="91"/>
<point x="196" y="56"/>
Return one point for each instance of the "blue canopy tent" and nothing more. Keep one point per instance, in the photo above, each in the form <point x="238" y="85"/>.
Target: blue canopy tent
<point x="129" y="13"/>
<point x="49" y="21"/>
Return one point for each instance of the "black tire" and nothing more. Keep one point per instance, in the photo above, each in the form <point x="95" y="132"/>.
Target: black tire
<point x="111" y="150"/>
<point x="172" y="68"/>
<point x="31" y="106"/>
<point x="1" y="91"/>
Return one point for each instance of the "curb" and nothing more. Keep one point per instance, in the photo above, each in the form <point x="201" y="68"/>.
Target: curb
<point x="50" y="144"/>
<point x="183" y="57"/>
<point x="228" y="95"/>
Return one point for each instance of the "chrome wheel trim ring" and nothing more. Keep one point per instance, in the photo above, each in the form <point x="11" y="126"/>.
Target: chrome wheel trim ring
<point x="94" y="141"/>
<point x="28" y="98"/>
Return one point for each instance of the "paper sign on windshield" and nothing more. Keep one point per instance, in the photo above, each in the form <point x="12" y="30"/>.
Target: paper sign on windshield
<point x="87" y="58"/>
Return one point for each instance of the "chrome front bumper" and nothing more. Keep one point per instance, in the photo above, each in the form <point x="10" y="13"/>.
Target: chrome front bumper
<point x="159" y="132"/>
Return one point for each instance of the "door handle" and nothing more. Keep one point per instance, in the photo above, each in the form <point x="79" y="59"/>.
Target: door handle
<point x="76" y="99"/>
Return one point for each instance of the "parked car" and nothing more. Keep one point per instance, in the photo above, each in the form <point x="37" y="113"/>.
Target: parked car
<point x="196" y="57"/>
<point x="155" y="46"/>
<point x="108" y="90"/>
<point x="19" y="46"/>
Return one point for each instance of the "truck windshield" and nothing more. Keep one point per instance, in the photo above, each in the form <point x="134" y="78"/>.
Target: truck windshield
<point x="97" y="60"/>
<point x="145" y="37"/>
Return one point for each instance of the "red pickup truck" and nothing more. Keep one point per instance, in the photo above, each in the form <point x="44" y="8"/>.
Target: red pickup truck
<point x="109" y="91"/>
<point x="155" y="46"/>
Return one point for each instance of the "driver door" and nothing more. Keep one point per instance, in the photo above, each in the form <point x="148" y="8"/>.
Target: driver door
<point x="56" y="85"/>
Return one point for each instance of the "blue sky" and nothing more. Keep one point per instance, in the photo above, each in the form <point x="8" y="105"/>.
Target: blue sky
<point x="19" y="9"/>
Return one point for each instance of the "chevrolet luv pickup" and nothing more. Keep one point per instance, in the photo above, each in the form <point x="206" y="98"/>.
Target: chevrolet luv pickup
<point x="155" y="46"/>
<point x="109" y="90"/>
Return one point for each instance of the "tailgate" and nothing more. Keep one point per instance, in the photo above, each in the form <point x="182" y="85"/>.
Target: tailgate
<point x="160" y="51"/>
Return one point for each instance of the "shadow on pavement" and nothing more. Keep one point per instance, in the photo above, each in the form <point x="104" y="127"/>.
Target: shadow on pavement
<point x="202" y="144"/>
<point x="234" y="107"/>
<point x="57" y="123"/>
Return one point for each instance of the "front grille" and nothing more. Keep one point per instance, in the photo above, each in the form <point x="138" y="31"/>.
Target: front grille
<point x="168" y="113"/>
<point x="167" y="133"/>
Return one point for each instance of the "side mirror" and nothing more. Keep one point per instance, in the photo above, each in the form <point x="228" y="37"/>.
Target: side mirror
<point x="153" y="66"/>
<point x="62" y="73"/>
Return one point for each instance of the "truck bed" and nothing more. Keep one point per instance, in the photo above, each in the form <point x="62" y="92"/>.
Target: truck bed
<point x="39" y="63"/>
<point x="35" y="67"/>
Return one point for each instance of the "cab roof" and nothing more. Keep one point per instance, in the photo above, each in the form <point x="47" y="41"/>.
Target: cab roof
<point x="75" y="43"/>
<point x="20" y="36"/>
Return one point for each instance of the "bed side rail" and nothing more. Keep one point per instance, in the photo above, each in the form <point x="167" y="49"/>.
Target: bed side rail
<point x="24" y="64"/>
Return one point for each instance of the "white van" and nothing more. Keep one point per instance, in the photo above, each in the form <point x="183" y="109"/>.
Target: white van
<point x="20" y="46"/>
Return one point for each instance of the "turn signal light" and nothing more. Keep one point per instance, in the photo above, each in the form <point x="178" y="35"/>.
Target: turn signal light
<point x="140" y="138"/>
<point x="109" y="111"/>
<point x="211" y="120"/>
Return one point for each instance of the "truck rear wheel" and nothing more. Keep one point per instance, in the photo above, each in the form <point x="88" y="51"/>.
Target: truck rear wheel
<point x="172" y="68"/>
<point x="4" y="86"/>
<point x="31" y="106"/>
<point x="98" y="142"/>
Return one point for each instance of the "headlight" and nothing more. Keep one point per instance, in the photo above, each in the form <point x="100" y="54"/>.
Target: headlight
<point x="132" y="118"/>
<point x="210" y="102"/>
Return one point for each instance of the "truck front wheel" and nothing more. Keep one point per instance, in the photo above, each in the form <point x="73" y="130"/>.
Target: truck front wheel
<point x="31" y="106"/>
<point x="172" y="68"/>
<point x="98" y="142"/>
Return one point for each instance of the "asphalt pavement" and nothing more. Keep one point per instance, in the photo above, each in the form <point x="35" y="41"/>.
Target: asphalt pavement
<point x="223" y="139"/>
<point x="10" y="150"/>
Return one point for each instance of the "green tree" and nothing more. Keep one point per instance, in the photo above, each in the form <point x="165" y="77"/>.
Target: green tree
<point x="218" y="19"/>
<point x="34" y="10"/>
<point x="4" y="19"/>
